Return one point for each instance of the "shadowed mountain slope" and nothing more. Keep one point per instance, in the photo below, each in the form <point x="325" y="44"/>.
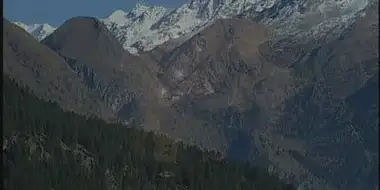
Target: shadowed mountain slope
<point x="292" y="102"/>
<point x="342" y="78"/>
<point x="125" y="82"/>
<point x="47" y="148"/>
<point x="46" y="73"/>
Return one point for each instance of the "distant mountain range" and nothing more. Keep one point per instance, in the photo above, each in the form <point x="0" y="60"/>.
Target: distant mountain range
<point x="39" y="31"/>
<point x="146" y="26"/>
<point x="289" y="85"/>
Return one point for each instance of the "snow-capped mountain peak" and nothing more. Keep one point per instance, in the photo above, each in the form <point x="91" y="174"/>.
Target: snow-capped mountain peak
<point x="141" y="8"/>
<point x="146" y="26"/>
<point x="118" y="17"/>
<point x="132" y="27"/>
<point x="46" y="28"/>
<point x="22" y="25"/>
<point x="39" y="31"/>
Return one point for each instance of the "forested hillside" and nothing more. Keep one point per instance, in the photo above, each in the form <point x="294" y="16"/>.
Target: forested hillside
<point x="46" y="148"/>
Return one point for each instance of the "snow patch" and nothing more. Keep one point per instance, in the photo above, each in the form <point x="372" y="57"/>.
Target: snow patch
<point x="39" y="31"/>
<point x="118" y="17"/>
<point x="163" y="92"/>
<point x="178" y="74"/>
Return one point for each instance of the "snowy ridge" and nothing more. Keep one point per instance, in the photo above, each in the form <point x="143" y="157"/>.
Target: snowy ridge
<point x="133" y="29"/>
<point x="146" y="27"/>
<point x="39" y="31"/>
<point x="143" y="34"/>
<point x="306" y="18"/>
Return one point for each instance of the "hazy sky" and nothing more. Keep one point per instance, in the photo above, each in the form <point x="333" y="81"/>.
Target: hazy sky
<point x="55" y="12"/>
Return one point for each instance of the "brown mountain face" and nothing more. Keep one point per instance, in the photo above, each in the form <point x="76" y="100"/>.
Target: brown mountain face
<point x="222" y="78"/>
<point x="308" y="110"/>
<point x="219" y="70"/>
<point x="126" y="83"/>
<point x="342" y="78"/>
<point x="46" y="73"/>
<point x="323" y="116"/>
<point x="295" y="104"/>
<point x="207" y="63"/>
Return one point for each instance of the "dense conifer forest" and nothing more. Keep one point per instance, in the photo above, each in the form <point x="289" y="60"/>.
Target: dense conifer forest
<point x="47" y="148"/>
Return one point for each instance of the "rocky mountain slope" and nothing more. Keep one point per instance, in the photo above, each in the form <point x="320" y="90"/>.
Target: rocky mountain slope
<point x="126" y="83"/>
<point x="323" y="115"/>
<point x="46" y="73"/>
<point x="47" y="148"/>
<point x="307" y="108"/>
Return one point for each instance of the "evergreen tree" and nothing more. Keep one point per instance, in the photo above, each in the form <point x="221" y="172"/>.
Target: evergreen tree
<point x="47" y="148"/>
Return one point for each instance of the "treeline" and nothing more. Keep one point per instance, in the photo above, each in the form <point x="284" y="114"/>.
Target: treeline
<point x="47" y="148"/>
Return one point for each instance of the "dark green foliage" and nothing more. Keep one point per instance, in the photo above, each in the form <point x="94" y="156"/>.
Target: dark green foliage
<point x="46" y="148"/>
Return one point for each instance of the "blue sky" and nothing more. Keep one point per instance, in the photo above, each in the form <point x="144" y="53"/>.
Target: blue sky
<point x="55" y="12"/>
